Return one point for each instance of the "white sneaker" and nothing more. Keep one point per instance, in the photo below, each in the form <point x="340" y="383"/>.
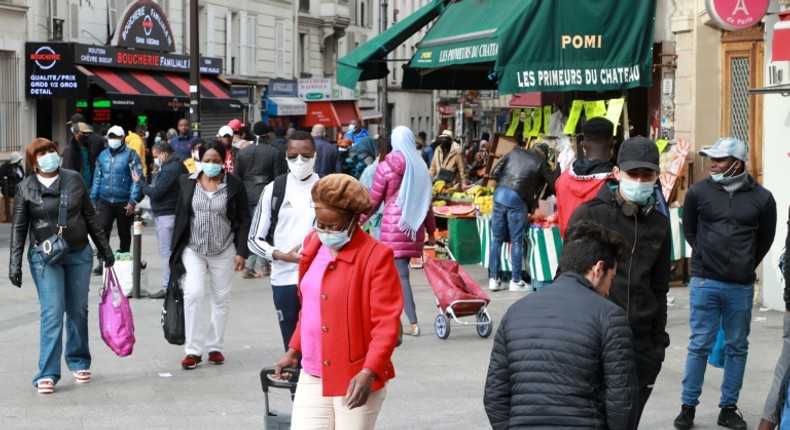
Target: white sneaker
<point x="519" y="286"/>
<point x="495" y="285"/>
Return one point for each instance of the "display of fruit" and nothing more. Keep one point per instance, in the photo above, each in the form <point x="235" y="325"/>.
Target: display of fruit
<point x="439" y="203"/>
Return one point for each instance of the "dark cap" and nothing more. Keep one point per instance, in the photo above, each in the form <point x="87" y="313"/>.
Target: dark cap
<point x="77" y="117"/>
<point x="638" y="152"/>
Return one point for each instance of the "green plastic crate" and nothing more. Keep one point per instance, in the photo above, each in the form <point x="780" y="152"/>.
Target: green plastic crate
<point x="464" y="240"/>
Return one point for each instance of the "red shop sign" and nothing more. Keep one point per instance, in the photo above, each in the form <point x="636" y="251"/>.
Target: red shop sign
<point x="736" y="14"/>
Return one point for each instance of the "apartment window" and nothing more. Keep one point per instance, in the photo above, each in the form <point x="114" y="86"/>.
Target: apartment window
<point x="304" y="5"/>
<point x="250" y="37"/>
<point x="362" y="16"/>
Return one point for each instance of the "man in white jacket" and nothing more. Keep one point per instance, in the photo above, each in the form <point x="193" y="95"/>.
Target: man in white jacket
<point x="281" y="222"/>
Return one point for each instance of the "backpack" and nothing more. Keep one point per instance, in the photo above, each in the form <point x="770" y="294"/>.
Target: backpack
<point x="278" y="194"/>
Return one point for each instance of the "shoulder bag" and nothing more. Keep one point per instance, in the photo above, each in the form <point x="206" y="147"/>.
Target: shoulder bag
<point x="55" y="247"/>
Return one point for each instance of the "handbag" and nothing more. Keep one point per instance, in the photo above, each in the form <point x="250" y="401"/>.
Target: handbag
<point x="55" y="247"/>
<point x="173" y="315"/>
<point x="115" y="317"/>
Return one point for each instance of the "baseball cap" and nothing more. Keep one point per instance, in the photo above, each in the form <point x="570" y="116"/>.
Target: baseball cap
<point x="84" y="128"/>
<point x="225" y="131"/>
<point x="235" y="124"/>
<point x="15" y="157"/>
<point x="727" y="147"/>
<point x="115" y="130"/>
<point x="638" y="152"/>
<point x="447" y="133"/>
<point x="77" y="117"/>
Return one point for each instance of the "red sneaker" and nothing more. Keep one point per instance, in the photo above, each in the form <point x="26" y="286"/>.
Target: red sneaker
<point x="216" y="357"/>
<point x="191" y="361"/>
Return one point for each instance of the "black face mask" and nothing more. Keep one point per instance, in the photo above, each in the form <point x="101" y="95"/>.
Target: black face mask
<point x="84" y="139"/>
<point x="445" y="145"/>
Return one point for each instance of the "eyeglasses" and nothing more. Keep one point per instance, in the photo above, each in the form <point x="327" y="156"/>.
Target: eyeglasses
<point x="303" y="158"/>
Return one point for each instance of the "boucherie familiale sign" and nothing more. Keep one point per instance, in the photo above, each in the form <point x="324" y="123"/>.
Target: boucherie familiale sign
<point x="144" y="26"/>
<point x="736" y="14"/>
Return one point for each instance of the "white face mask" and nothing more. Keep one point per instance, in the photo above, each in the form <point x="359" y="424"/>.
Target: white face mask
<point x="301" y="169"/>
<point x="158" y="162"/>
<point x="114" y="143"/>
<point x="146" y="135"/>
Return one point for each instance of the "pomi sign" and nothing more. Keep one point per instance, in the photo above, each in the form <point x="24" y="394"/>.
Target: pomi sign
<point x="736" y="14"/>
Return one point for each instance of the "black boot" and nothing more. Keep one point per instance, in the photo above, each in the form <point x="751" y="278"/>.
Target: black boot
<point x="731" y="418"/>
<point x="685" y="419"/>
<point x="99" y="269"/>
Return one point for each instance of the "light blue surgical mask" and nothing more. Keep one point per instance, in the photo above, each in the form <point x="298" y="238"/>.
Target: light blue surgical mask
<point x="351" y="128"/>
<point x="49" y="162"/>
<point x="114" y="143"/>
<point x="210" y="169"/>
<point x="637" y="192"/>
<point x="157" y="139"/>
<point x="334" y="240"/>
<point x="718" y="177"/>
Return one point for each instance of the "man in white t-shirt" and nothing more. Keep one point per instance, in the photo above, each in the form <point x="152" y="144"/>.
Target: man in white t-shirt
<point x="291" y="224"/>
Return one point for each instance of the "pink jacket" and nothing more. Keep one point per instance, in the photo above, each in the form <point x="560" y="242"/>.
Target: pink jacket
<point x="386" y="185"/>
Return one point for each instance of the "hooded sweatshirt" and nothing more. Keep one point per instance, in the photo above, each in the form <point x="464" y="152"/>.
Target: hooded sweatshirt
<point x="579" y="184"/>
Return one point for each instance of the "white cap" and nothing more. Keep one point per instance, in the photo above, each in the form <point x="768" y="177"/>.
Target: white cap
<point x="15" y="157"/>
<point x="115" y="130"/>
<point x="225" y="131"/>
<point x="447" y="133"/>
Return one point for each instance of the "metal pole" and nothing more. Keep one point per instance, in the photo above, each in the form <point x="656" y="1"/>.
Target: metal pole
<point x="137" y="248"/>
<point x="385" y="108"/>
<point x="194" y="68"/>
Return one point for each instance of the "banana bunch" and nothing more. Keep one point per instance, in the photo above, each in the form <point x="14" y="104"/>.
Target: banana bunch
<point x="438" y="186"/>
<point x="485" y="203"/>
<point x="439" y="203"/>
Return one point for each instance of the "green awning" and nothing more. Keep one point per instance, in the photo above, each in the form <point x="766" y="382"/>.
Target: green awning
<point x="538" y="45"/>
<point x="366" y="62"/>
<point x="465" y="34"/>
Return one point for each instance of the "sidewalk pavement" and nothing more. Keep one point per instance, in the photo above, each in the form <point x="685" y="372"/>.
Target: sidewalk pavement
<point x="439" y="383"/>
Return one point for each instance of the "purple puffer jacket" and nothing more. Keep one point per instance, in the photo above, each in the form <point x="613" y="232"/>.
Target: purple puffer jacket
<point x="386" y="184"/>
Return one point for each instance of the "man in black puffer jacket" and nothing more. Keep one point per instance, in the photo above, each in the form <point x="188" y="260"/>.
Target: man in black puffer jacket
<point x="626" y="204"/>
<point x="563" y="357"/>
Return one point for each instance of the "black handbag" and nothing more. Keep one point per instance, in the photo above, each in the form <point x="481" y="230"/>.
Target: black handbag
<point x="173" y="315"/>
<point x="55" y="248"/>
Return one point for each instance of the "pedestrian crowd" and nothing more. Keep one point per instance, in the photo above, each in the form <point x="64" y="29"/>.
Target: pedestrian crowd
<point x="333" y="225"/>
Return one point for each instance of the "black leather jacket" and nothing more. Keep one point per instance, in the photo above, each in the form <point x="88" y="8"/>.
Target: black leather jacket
<point x="256" y="166"/>
<point x="525" y="172"/>
<point x="36" y="215"/>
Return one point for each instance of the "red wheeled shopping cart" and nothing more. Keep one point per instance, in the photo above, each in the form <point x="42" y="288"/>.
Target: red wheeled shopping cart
<point x="457" y="296"/>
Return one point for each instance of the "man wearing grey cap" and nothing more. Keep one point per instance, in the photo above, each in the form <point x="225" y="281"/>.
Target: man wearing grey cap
<point x="730" y="221"/>
<point x="627" y="204"/>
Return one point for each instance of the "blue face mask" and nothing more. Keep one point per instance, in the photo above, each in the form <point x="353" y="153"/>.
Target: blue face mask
<point x="351" y="128"/>
<point x="157" y="139"/>
<point x="334" y="239"/>
<point x="637" y="192"/>
<point x="718" y="177"/>
<point x="210" y="169"/>
<point x="49" y="162"/>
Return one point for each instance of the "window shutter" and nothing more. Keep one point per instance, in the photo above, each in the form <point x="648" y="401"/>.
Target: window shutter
<point x="209" y="31"/>
<point x="251" y="36"/>
<point x="228" y="43"/>
<point x="243" y="51"/>
<point x="74" y="11"/>
<point x="279" y="44"/>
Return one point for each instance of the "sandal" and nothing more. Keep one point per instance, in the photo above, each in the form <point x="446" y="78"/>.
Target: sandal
<point x="83" y="376"/>
<point x="45" y="386"/>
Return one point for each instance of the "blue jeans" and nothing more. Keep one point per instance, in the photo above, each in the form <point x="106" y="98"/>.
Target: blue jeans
<point x="287" y="305"/>
<point x="164" y="235"/>
<point x="513" y="220"/>
<point x="63" y="288"/>
<point x="710" y="302"/>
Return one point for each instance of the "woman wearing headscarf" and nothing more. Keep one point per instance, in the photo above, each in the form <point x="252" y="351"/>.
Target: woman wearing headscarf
<point x="63" y="285"/>
<point x="348" y="326"/>
<point x="402" y="184"/>
<point x="209" y="240"/>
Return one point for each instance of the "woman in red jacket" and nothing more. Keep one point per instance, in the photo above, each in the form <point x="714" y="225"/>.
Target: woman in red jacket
<point x="349" y="322"/>
<point x="403" y="185"/>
